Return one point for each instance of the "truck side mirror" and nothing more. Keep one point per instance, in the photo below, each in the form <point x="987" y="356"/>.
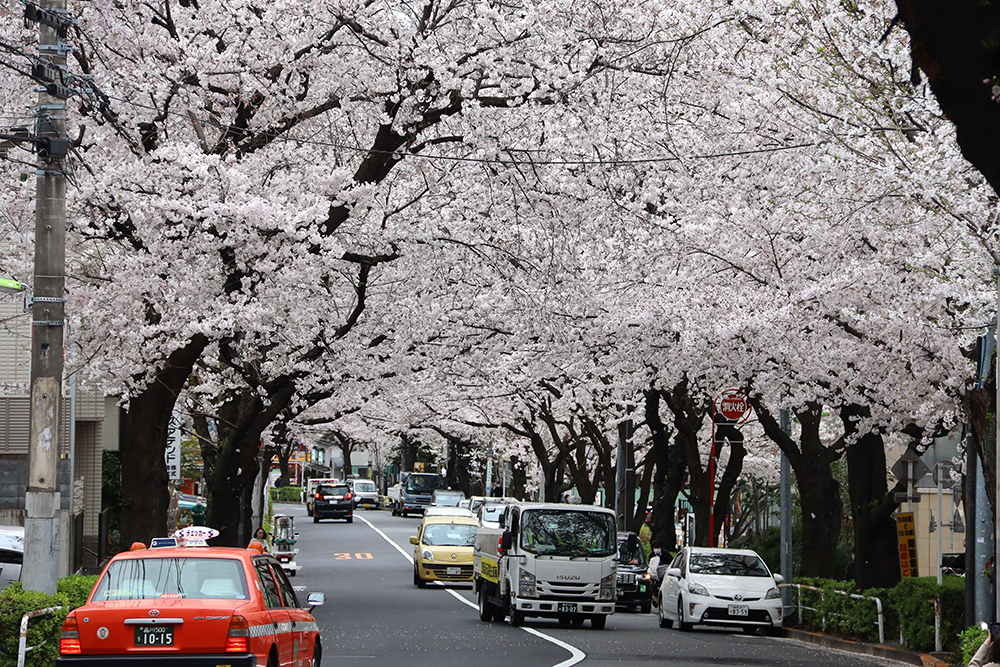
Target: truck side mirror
<point x="506" y="539"/>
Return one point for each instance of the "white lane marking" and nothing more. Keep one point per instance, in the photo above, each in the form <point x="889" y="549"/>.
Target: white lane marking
<point x="576" y="655"/>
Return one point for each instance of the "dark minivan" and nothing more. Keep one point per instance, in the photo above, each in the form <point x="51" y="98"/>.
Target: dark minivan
<point x="333" y="501"/>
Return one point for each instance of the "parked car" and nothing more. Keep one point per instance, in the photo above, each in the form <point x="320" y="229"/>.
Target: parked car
<point x="446" y="498"/>
<point x="442" y="548"/>
<point x="333" y="501"/>
<point x="11" y="554"/>
<point x="490" y="513"/>
<point x="365" y="493"/>
<point x="634" y="584"/>
<point x="729" y="587"/>
<point x="201" y="607"/>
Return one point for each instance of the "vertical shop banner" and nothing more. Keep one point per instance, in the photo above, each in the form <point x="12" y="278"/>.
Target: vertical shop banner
<point x="907" y="543"/>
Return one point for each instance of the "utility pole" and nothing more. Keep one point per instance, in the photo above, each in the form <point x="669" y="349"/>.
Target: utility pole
<point x="41" y="549"/>
<point x="624" y="497"/>
<point x="786" y="518"/>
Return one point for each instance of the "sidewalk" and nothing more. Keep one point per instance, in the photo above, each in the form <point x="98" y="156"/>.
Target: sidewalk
<point x="875" y="650"/>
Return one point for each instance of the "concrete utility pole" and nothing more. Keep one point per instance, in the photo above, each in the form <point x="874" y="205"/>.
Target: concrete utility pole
<point x="41" y="549"/>
<point x="996" y="467"/>
<point x="786" y="518"/>
<point x="624" y="497"/>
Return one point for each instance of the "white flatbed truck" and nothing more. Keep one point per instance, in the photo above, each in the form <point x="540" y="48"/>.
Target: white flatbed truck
<point x="548" y="560"/>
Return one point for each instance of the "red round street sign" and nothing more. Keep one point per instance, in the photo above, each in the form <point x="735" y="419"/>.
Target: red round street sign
<point x="733" y="405"/>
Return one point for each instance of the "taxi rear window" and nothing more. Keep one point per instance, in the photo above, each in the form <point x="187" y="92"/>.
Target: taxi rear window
<point x="154" y="578"/>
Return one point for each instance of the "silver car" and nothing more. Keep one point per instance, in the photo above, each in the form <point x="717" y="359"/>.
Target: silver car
<point x="729" y="587"/>
<point x="365" y="493"/>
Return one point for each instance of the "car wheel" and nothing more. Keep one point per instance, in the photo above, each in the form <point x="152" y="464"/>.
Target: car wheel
<point x="646" y="607"/>
<point x="291" y="573"/>
<point x="420" y="583"/>
<point x="749" y="629"/>
<point x="317" y="655"/>
<point x="664" y="621"/>
<point x="315" y="519"/>
<point x="272" y="659"/>
<point x="486" y="611"/>
<point x="681" y="625"/>
<point x="577" y="620"/>
<point x="598" y="622"/>
<point x="350" y="519"/>
<point x="516" y="618"/>
<point x="394" y="512"/>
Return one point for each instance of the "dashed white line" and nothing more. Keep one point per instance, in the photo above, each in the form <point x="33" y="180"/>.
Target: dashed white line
<point x="576" y="655"/>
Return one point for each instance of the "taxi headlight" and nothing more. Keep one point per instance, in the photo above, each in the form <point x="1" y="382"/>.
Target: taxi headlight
<point x="607" y="588"/>
<point x="697" y="589"/>
<point x="526" y="585"/>
<point x="427" y="554"/>
<point x="773" y="594"/>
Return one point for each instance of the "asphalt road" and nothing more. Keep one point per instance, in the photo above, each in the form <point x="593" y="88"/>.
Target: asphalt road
<point x="375" y="617"/>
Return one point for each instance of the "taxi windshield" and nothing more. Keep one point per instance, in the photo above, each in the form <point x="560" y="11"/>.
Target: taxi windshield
<point x="449" y="535"/>
<point x="154" y="578"/>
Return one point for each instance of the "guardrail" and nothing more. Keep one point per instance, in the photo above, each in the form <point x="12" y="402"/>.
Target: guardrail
<point x="22" y="642"/>
<point x="878" y="604"/>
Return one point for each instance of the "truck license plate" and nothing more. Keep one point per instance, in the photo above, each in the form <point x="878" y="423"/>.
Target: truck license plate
<point x="739" y="610"/>
<point x="454" y="571"/>
<point x="566" y="608"/>
<point x="154" y="635"/>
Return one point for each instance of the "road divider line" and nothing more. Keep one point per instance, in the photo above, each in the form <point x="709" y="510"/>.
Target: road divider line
<point x="576" y="655"/>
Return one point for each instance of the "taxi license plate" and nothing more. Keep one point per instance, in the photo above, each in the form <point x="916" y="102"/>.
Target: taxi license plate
<point x="454" y="571"/>
<point x="739" y="610"/>
<point x="566" y="608"/>
<point x="154" y="635"/>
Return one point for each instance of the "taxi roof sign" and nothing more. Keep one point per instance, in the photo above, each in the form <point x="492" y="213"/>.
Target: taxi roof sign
<point x="195" y="536"/>
<point x="160" y="542"/>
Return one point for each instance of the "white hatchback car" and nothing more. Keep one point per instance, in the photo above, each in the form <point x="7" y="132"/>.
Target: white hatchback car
<point x="729" y="587"/>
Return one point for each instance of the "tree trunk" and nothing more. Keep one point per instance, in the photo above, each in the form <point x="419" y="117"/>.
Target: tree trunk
<point x="143" y="438"/>
<point x="688" y="418"/>
<point x="819" y="491"/>
<point x="645" y="482"/>
<point x="876" y="546"/>
<point x="670" y="468"/>
<point x="954" y="43"/>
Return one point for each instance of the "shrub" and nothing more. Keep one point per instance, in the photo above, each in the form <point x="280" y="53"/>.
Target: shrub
<point x="969" y="642"/>
<point x="76" y="588"/>
<point x="288" y="494"/>
<point x="908" y="610"/>
<point x="43" y="632"/>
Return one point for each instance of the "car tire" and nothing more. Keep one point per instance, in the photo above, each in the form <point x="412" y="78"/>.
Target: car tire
<point x="272" y="658"/>
<point x="646" y="607"/>
<point x="664" y="621"/>
<point x="577" y="620"/>
<point x="516" y="618"/>
<point x="315" y="519"/>
<point x="418" y="582"/>
<point x="486" y="610"/>
<point x="749" y="629"/>
<point x="598" y="622"/>
<point x="681" y="625"/>
<point x="317" y="655"/>
<point x="350" y="519"/>
<point x="291" y="573"/>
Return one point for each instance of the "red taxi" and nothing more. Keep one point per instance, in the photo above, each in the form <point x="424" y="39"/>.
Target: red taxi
<point x="192" y="606"/>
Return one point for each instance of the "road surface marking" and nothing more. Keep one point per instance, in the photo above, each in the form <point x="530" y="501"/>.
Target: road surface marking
<point x="576" y="655"/>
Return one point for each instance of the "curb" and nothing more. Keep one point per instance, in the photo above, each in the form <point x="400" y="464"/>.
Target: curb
<point x="875" y="650"/>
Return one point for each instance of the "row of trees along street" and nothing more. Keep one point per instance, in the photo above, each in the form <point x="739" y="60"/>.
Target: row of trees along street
<point x="510" y="227"/>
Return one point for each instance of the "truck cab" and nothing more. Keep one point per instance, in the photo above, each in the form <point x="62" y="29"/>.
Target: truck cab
<point x="548" y="560"/>
<point x="413" y="493"/>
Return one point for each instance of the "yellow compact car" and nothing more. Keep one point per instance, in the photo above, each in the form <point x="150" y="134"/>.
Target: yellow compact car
<point x="443" y="548"/>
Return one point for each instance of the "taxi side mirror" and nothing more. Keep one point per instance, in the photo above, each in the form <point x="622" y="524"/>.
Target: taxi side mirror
<point x="316" y="600"/>
<point x="413" y="540"/>
<point x="778" y="579"/>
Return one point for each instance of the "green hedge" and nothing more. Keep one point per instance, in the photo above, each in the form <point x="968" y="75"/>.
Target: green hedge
<point x="43" y="631"/>
<point x="969" y="642"/>
<point x="287" y="494"/>
<point x="908" y="609"/>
